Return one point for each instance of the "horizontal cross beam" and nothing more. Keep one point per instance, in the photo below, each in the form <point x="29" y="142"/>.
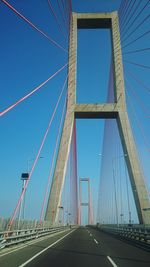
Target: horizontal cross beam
<point x="84" y="204"/>
<point x="95" y="111"/>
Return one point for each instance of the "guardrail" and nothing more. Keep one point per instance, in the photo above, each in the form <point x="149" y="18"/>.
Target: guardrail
<point x="138" y="234"/>
<point x="9" y="238"/>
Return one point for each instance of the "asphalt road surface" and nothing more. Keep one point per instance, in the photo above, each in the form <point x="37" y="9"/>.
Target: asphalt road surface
<point x="83" y="247"/>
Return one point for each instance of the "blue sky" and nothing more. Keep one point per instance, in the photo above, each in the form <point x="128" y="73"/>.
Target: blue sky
<point x="27" y="59"/>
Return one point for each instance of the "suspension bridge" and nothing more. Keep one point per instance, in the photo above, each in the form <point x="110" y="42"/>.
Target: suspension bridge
<point x="79" y="137"/>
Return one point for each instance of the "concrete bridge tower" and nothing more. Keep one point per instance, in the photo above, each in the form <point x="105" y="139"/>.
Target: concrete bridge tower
<point x="115" y="110"/>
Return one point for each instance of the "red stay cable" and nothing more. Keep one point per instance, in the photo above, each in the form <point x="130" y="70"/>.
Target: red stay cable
<point x="32" y="92"/>
<point x="56" y="18"/>
<point x="74" y="151"/>
<point x="70" y="5"/>
<point x="35" y="161"/>
<point x="33" y="26"/>
<point x="63" y="15"/>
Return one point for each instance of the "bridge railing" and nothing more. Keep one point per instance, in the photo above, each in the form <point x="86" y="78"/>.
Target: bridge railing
<point x="139" y="234"/>
<point x="16" y="236"/>
<point x="22" y="224"/>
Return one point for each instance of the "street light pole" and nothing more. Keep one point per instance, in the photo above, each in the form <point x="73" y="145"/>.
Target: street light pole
<point x="24" y="178"/>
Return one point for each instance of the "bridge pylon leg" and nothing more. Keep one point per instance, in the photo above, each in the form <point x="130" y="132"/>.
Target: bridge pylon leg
<point x="134" y="169"/>
<point x="65" y="144"/>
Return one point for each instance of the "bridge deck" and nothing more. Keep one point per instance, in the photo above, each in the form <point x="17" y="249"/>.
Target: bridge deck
<point x="82" y="247"/>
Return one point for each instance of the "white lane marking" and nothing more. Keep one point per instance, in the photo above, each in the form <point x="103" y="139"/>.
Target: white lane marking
<point x="90" y="234"/>
<point x="95" y="241"/>
<point x="112" y="262"/>
<point x="31" y="243"/>
<point x="39" y="253"/>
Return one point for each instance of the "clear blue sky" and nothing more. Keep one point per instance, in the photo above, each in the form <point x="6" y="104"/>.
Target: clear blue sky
<point x="27" y="59"/>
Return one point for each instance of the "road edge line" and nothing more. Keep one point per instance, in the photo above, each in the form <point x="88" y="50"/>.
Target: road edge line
<point x="39" y="253"/>
<point x="31" y="242"/>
